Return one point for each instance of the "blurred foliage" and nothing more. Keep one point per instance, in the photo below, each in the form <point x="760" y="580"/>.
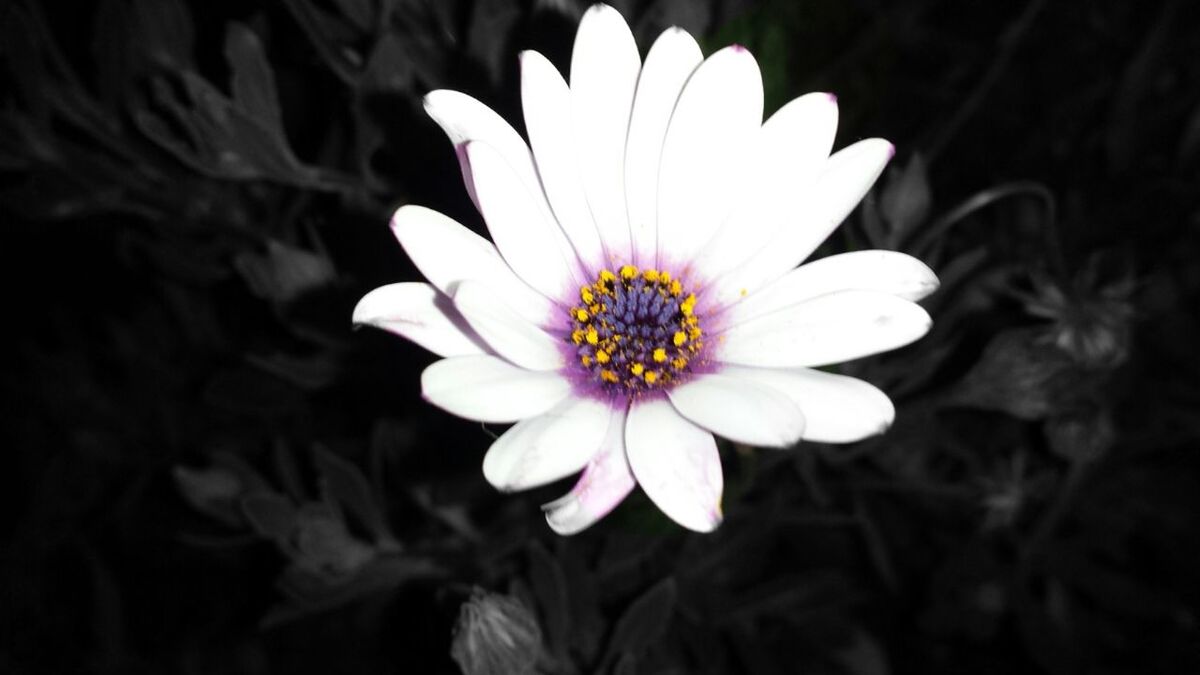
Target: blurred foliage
<point x="209" y="471"/>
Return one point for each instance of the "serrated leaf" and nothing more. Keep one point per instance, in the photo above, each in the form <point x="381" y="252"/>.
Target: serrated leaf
<point x="344" y="482"/>
<point x="644" y="622"/>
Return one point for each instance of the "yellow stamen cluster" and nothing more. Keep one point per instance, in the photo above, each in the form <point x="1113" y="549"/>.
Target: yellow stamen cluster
<point x="635" y="329"/>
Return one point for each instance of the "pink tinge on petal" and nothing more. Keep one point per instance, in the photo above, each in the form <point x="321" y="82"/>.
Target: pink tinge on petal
<point x="605" y="482"/>
<point x="676" y="463"/>
<point x="464" y="164"/>
<point x="422" y="314"/>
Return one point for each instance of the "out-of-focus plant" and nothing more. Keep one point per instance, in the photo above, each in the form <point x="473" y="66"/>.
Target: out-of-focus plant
<point x="337" y="544"/>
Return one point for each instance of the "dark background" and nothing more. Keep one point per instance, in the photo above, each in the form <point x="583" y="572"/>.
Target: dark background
<point x="207" y="471"/>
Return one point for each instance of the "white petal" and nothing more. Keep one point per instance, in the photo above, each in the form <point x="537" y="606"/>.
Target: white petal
<point x="676" y="463"/>
<point x="530" y="241"/>
<point x="829" y="329"/>
<point x="793" y="147"/>
<point x="422" y="314"/>
<point x="740" y="410"/>
<point x="671" y="60"/>
<point x="604" y="72"/>
<point x="605" y="482"/>
<point x="704" y="158"/>
<point x="465" y="119"/>
<point x="504" y="330"/>
<point x="837" y="409"/>
<point x="447" y="253"/>
<point x="490" y="389"/>
<point x="890" y="272"/>
<point x="812" y="216"/>
<point x="548" y="447"/>
<point x="546" y="101"/>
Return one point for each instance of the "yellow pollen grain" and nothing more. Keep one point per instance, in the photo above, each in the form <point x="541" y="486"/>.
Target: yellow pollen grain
<point x="581" y="314"/>
<point x="664" y="277"/>
<point x="637" y="369"/>
<point x="602" y="356"/>
<point x="577" y="336"/>
<point x="694" y="333"/>
<point x="608" y="376"/>
<point x="679" y="362"/>
<point x="628" y="272"/>
<point x="592" y="336"/>
<point x="680" y="338"/>
<point x="586" y="360"/>
<point x="586" y="295"/>
<point x="651" y="377"/>
<point x="651" y="275"/>
<point x="676" y="287"/>
<point x="659" y="355"/>
<point x="607" y="277"/>
<point x="688" y="305"/>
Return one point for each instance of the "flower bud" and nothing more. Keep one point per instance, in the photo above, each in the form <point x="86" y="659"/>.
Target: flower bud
<point x="496" y="635"/>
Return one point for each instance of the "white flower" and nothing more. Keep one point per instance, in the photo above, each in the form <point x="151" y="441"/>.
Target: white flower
<point x="642" y="292"/>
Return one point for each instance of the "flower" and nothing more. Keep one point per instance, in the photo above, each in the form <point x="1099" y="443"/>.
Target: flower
<point x="642" y="291"/>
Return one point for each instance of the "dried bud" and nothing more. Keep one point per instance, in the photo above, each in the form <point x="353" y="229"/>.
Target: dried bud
<point x="1091" y="324"/>
<point x="1021" y="375"/>
<point x="1082" y="436"/>
<point x="496" y="635"/>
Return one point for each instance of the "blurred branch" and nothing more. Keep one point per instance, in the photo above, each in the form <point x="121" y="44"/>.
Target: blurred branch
<point x="937" y="230"/>
<point x="1009" y="41"/>
<point x="306" y="16"/>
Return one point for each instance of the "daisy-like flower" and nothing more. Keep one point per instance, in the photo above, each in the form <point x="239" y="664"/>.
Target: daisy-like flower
<point x="641" y="290"/>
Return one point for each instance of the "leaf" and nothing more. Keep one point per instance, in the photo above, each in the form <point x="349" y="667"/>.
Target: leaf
<point x="169" y="37"/>
<point x="1021" y="374"/>
<point x="111" y="43"/>
<point x="309" y="595"/>
<point x="905" y="200"/>
<point x="550" y="586"/>
<point x="863" y="656"/>
<point x="271" y="515"/>
<point x="253" y="83"/>
<point x="487" y="37"/>
<point x="288" y="471"/>
<point x="344" y="482"/>
<point x="644" y="622"/>
<point x="389" y="67"/>
<point x="361" y="13"/>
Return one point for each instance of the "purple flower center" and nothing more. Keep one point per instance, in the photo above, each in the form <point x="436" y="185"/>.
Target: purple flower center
<point x="635" y="331"/>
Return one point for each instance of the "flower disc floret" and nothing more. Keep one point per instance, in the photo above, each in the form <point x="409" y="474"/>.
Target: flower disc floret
<point x="635" y="331"/>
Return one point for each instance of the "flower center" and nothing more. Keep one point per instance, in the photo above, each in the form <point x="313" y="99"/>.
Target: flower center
<point x="635" y="330"/>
